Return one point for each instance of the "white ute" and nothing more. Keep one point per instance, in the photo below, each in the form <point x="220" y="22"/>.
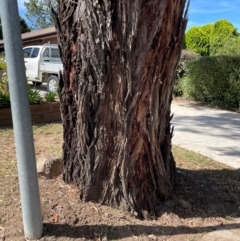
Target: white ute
<point x="43" y="64"/>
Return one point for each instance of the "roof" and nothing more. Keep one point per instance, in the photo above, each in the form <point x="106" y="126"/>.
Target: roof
<point x="36" y="34"/>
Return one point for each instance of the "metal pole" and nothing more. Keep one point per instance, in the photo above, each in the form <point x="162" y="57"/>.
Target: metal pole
<point x="29" y="191"/>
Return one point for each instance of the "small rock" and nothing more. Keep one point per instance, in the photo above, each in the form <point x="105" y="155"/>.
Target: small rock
<point x="135" y="214"/>
<point x="152" y="237"/>
<point x="49" y="166"/>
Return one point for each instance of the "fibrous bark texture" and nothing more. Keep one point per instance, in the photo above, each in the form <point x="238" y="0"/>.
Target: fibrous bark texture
<point x="119" y="62"/>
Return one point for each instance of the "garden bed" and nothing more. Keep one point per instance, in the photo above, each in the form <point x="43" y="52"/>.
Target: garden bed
<point x="44" y="113"/>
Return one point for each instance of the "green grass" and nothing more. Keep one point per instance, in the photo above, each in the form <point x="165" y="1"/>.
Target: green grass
<point x="225" y="176"/>
<point x="194" y="159"/>
<point x="54" y="128"/>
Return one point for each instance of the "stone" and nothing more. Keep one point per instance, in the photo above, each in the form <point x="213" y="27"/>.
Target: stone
<point x="152" y="237"/>
<point x="49" y="166"/>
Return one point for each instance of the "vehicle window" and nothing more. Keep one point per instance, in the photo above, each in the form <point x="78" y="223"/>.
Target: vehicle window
<point x="27" y="52"/>
<point x="46" y="53"/>
<point x="35" y="53"/>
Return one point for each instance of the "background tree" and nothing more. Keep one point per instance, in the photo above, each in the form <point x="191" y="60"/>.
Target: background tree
<point x="23" y="25"/>
<point x="38" y="13"/>
<point x="197" y="40"/>
<point x="119" y="62"/>
<point x="211" y="39"/>
<point x="221" y="32"/>
<point x="207" y="29"/>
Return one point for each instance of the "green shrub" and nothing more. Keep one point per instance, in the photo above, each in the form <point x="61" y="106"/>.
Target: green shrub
<point x="4" y="93"/>
<point x="4" y="100"/>
<point x="230" y="47"/>
<point x="51" y="96"/>
<point x="3" y="75"/>
<point x="186" y="57"/>
<point x="215" y="80"/>
<point x="34" y="97"/>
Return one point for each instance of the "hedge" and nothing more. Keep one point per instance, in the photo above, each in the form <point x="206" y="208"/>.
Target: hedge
<point x="214" y="80"/>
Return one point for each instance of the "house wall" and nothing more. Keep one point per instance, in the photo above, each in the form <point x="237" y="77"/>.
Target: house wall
<point x="37" y="37"/>
<point x="52" y="40"/>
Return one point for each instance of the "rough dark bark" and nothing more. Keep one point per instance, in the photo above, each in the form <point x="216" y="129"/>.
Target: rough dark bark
<point x="119" y="62"/>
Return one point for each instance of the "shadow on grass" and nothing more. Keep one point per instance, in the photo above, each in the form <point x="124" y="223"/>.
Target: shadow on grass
<point x="210" y="193"/>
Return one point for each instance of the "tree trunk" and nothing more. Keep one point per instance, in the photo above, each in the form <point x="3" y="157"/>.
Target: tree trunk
<point x="119" y="62"/>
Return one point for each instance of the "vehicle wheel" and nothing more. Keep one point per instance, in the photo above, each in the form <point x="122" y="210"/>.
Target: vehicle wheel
<point x="52" y="83"/>
<point x="35" y="83"/>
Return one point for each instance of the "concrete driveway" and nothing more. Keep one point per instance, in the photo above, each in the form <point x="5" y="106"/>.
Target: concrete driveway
<point x="211" y="132"/>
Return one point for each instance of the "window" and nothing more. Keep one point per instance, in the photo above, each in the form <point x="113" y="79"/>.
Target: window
<point x="27" y="52"/>
<point x="35" y="53"/>
<point x="51" y="54"/>
<point x="46" y="53"/>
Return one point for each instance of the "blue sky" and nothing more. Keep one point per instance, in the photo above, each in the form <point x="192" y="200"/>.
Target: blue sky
<point x="201" y="11"/>
<point x="21" y="7"/>
<point x="209" y="11"/>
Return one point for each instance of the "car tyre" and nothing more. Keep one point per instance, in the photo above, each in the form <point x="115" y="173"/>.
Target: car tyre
<point x="52" y="83"/>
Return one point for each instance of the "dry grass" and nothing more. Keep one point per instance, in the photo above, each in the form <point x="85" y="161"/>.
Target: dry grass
<point x="210" y="187"/>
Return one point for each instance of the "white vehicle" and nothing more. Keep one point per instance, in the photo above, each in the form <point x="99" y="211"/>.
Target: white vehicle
<point x="43" y="64"/>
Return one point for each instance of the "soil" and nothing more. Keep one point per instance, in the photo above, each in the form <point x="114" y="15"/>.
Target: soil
<point x="204" y="200"/>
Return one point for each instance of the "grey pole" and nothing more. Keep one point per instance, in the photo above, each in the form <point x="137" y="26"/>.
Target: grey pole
<point x="29" y="191"/>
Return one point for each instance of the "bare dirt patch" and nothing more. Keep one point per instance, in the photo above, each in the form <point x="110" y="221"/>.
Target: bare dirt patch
<point x="206" y="198"/>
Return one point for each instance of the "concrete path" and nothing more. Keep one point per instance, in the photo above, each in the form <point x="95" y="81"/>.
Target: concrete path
<point x="210" y="132"/>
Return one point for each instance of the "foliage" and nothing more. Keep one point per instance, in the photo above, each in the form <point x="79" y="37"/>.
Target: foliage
<point x="3" y="75"/>
<point x="34" y="97"/>
<point x="213" y="39"/>
<point x="4" y="93"/>
<point x="181" y="71"/>
<point x="4" y="100"/>
<point x="207" y="29"/>
<point x="197" y="40"/>
<point x="218" y="84"/>
<point x="50" y="96"/>
<point x="39" y="14"/>
<point x="221" y="32"/>
<point x="230" y="47"/>
<point x="23" y="26"/>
